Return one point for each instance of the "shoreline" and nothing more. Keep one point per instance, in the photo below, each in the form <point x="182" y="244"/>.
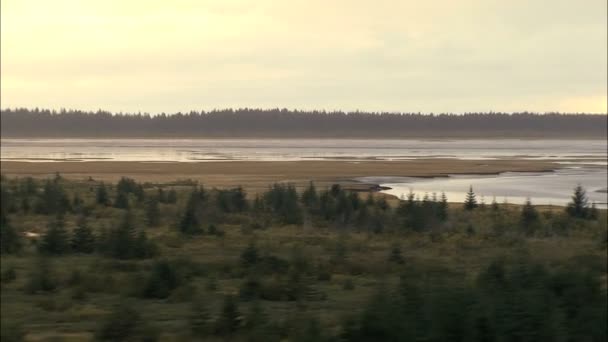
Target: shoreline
<point x="256" y="175"/>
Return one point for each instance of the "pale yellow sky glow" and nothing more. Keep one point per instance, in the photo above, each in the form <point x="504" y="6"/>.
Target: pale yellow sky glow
<point x="403" y="55"/>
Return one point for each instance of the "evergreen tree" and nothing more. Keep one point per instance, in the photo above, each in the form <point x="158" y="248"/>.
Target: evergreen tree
<point x="189" y="222"/>
<point x="442" y="208"/>
<point x="309" y="196"/>
<point x="101" y="195"/>
<point x="83" y="240"/>
<point x="122" y="200"/>
<point x="53" y="199"/>
<point x="172" y="196"/>
<point x="163" y="279"/>
<point x="124" y="242"/>
<point x="579" y="206"/>
<point x="529" y="215"/>
<point x="55" y="241"/>
<point x="470" y="201"/>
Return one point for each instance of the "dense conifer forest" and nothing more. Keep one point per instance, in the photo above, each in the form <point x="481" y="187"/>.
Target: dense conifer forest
<point x="248" y="122"/>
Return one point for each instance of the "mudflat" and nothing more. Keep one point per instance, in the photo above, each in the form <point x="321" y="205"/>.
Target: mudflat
<point x="254" y="175"/>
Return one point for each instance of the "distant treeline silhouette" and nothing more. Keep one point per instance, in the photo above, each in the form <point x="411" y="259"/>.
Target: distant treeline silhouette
<point x="248" y="122"/>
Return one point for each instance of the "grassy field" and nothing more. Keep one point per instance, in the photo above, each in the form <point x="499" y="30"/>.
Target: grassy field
<point x="339" y="265"/>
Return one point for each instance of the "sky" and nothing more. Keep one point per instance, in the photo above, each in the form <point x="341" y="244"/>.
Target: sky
<point x="404" y="55"/>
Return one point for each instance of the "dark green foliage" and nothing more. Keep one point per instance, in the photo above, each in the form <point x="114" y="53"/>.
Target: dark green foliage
<point x="53" y="199"/>
<point x="10" y="240"/>
<point x="529" y="217"/>
<point x="283" y="201"/>
<point x="124" y="242"/>
<point x="56" y="240"/>
<point x="122" y="200"/>
<point x="162" y="280"/>
<point x="172" y="197"/>
<point x="310" y="198"/>
<point x="190" y="222"/>
<point x="470" y="201"/>
<point x="516" y="301"/>
<point x="232" y="200"/>
<point x="442" y="208"/>
<point x="579" y="206"/>
<point x="83" y="240"/>
<point x="129" y="186"/>
<point x="28" y="186"/>
<point x="101" y="195"/>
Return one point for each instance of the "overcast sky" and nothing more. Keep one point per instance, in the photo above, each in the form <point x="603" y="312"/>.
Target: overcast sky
<point x="403" y="55"/>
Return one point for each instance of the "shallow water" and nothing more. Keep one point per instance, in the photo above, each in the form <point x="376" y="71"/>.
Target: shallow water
<point x="196" y="150"/>
<point x="550" y="188"/>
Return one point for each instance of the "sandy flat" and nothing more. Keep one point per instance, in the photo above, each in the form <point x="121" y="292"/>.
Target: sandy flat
<point x="255" y="175"/>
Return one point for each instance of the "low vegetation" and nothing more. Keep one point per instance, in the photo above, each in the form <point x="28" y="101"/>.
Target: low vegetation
<point x="85" y="260"/>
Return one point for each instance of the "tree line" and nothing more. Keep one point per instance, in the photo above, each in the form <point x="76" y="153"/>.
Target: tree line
<point x="206" y="209"/>
<point x="251" y="122"/>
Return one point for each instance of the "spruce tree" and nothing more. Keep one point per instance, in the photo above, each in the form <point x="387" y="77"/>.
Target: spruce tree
<point x="309" y="196"/>
<point x="470" y="201"/>
<point x="529" y="216"/>
<point x="579" y="206"/>
<point x="172" y="197"/>
<point x="122" y="200"/>
<point x="55" y="241"/>
<point x="442" y="211"/>
<point x="101" y="195"/>
<point x="189" y="222"/>
<point x="83" y="240"/>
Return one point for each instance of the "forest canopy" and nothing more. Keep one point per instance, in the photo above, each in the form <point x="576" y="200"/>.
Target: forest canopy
<point x="284" y="123"/>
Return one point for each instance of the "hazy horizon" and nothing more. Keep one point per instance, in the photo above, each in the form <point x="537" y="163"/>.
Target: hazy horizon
<point x="389" y="56"/>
